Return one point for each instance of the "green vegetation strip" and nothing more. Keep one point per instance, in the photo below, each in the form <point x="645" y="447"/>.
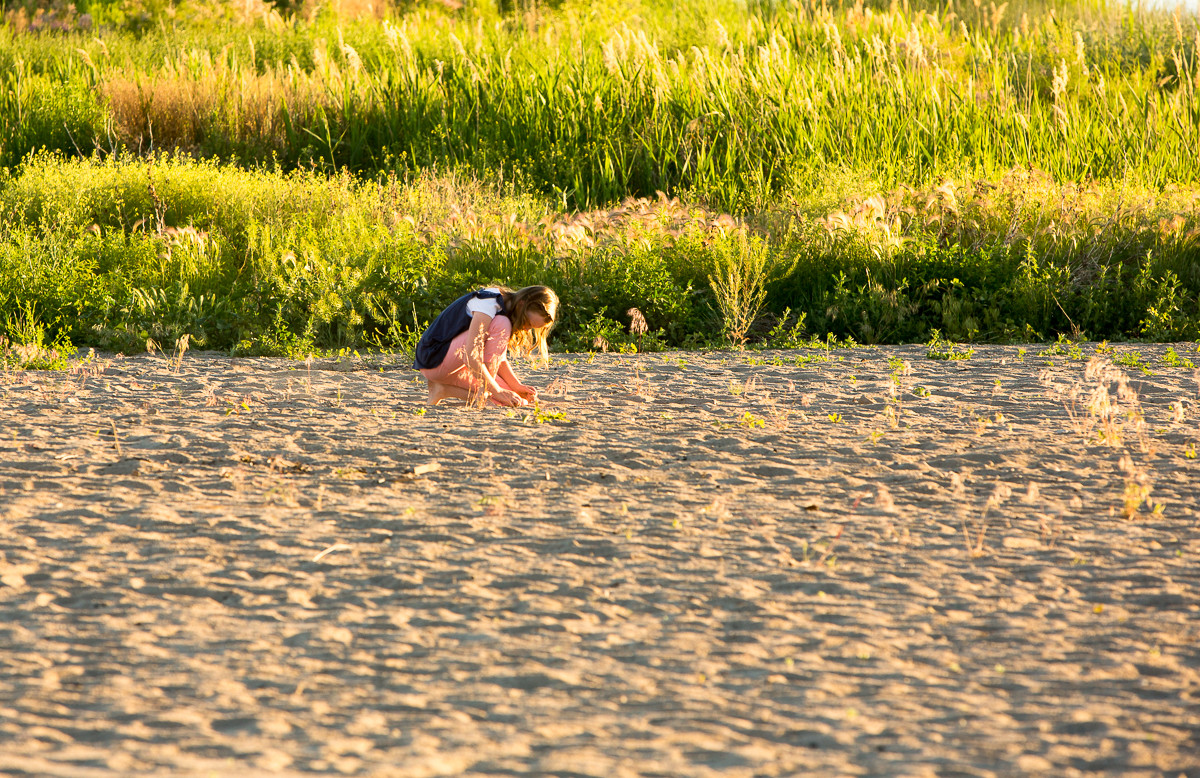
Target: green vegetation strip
<point x="887" y="174"/>
<point x="112" y="253"/>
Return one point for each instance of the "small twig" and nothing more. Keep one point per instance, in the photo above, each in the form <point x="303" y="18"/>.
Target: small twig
<point x="978" y="550"/>
<point x="116" y="439"/>
<point x="330" y="550"/>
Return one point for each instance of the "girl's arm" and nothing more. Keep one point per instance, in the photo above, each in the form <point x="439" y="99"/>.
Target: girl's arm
<point x="504" y="373"/>
<point x="477" y="338"/>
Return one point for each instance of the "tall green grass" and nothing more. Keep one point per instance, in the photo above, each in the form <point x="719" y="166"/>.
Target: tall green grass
<point x="738" y="109"/>
<point x="278" y="183"/>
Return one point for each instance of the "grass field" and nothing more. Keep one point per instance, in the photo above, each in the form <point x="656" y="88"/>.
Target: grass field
<point x="281" y="181"/>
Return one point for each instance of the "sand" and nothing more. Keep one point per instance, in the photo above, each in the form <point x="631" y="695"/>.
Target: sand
<point x="684" y="564"/>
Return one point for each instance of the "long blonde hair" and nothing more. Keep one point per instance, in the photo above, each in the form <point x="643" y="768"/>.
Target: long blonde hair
<point x="541" y="300"/>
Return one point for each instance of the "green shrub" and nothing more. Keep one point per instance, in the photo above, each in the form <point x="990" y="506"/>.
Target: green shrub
<point x="122" y="250"/>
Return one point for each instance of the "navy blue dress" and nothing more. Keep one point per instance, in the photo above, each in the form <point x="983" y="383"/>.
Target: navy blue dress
<point x="450" y="323"/>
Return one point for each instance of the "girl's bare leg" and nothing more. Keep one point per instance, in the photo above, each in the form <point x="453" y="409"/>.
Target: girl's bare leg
<point x="500" y="379"/>
<point x="439" y="390"/>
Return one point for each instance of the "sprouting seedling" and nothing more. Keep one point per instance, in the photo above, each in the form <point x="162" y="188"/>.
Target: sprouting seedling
<point x="940" y="348"/>
<point x="750" y="421"/>
<point x="539" y="416"/>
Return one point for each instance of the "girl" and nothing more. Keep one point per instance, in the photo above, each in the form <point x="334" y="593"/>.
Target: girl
<point x="464" y="353"/>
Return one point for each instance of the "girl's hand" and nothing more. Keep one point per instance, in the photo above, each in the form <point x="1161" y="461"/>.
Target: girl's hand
<point x="528" y="392"/>
<point x="509" y="398"/>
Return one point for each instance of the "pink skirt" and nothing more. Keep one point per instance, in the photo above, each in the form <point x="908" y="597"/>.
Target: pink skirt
<point x="454" y="370"/>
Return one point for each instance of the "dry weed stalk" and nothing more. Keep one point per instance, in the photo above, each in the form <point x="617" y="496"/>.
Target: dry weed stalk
<point x="181" y="347"/>
<point x="751" y="385"/>
<point x="557" y="388"/>
<point x="637" y="385"/>
<point x="883" y="499"/>
<point x="1111" y="408"/>
<point x="1105" y="404"/>
<point x="999" y="495"/>
<point x="780" y="418"/>
<point x="637" y="325"/>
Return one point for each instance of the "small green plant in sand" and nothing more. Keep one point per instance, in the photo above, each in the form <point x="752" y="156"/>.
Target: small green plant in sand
<point x="1173" y="359"/>
<point x="1138" y="486"/>
<point x="835" y="417"/>
<point x="492" y="506"/>
<point x="1132" y="359"/>
<point x="820" y="358"/>
<point x="540" y="416"/>
<point x="1063" y="346"/>
<point x="761" y="361"/>
<point x="1189" y="451"/>
<point x="750" y="421"/>
<point x="940" y="348"/>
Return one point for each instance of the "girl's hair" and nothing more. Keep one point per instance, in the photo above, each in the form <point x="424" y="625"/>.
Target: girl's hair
<point x="531" y="299"/>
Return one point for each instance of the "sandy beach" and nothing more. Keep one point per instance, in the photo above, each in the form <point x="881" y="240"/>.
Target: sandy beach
<point x="854" y="562"/>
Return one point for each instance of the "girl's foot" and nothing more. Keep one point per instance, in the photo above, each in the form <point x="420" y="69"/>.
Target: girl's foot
<point x="439" y="391"/>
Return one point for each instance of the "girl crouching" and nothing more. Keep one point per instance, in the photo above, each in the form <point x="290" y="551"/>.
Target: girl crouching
<point x="464" y="352"/>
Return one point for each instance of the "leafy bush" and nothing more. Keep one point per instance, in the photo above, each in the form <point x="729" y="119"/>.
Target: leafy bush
<point x="114" y="252"/>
